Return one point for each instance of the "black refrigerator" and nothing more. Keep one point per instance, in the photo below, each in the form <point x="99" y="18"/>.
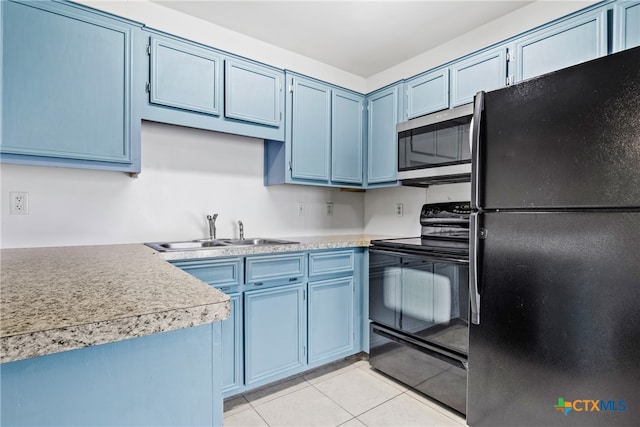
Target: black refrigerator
<point x="555" y="249"/>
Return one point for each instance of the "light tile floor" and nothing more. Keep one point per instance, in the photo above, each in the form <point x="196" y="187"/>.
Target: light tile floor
<point x="346" y="393"/>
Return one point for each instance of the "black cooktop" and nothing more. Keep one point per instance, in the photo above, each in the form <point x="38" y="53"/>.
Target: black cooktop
<point x="445" y="229"/>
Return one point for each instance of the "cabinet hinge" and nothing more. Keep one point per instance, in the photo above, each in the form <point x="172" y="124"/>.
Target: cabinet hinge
<point x="291" y="88"/>
<point x="290" y="166"/>
<point x="304" y="295"/>
<point x="148" y="87"/>
<point x="148" y="49"/>
<point x="510" y="56"/>
<point x="509" y="80"/>
<point x="304" y="350"/>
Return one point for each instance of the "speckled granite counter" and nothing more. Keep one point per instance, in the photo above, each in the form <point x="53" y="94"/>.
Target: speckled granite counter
<point x="65" y="298"/>
<point x="58" y="299"/>
<point x="304" y="244"/>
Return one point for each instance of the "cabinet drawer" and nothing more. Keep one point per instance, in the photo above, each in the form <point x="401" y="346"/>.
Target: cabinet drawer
<point x="218" y="273"/>
<point x="321" y="263"/>
<point x="287" y="267"/>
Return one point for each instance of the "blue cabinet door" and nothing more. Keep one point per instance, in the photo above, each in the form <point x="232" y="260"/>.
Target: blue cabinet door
<point x="66" y="93"/>
<point x="185" y="76"/>
<point x="310" y="132"/>
<point x="331" y="323"/>
<point x="347" y="142"/>
<point x="253" y="93"/>
<point x="275" y="330"/>
<point x="484" y="71"/>
<point x="232" y="346"/>
<point x="561" y="45"/>
<point x="383" y="109"/>
<point x="427" y="93"/>
<point x="627" y="22"/>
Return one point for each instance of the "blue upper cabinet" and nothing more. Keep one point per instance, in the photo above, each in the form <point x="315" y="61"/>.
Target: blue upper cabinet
<point x="347" y="142"/>
<point x="66" y="88"/>
<point x="324" y="138"/>
<point x="252" y="93"/>
<point x="383" y="114"/>
<point x="566" y="43"/>
<point x="627" y="22"/>
<point x="427" y="93"/>
<point x="185" y="76"/>
<point x="310" y="130"/>
<point x="189" y="84"/>
<point x="484" y="71"/>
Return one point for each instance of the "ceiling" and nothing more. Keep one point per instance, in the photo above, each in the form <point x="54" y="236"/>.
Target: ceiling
<point x="360" y="37"/>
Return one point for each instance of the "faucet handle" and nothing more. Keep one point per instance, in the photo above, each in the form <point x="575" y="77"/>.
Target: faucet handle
<point x="241" y="227"/>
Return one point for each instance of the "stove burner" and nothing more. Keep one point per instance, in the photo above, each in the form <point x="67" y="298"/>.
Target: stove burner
<point x="445" y="229"/>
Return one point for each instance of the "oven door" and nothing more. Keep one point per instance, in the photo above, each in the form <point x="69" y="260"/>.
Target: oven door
<point x="425" y="296"/>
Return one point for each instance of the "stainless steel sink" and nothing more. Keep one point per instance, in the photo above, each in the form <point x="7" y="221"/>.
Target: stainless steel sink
<point x="189" y="245"/>
<point x="181" y="246"/>
<point x="255" y="242"/>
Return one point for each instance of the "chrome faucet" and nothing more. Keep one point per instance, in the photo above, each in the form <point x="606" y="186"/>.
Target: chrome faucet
<point x="212" y="225"/>
<point x="241" y="230"/>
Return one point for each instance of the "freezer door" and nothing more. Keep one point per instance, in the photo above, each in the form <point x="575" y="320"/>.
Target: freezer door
<point x="568" y="139"/>
<point x="559" y="321"/>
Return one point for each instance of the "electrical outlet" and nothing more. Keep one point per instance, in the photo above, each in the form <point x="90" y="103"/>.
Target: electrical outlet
<point x="18" y="203"/>
<point x="329" y="208"/>
<point x="399" y="209"/>
<point x="300" y="209"/>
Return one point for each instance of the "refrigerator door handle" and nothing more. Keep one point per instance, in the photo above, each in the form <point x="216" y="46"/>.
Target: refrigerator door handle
<point x="474" y="141"/>
<point x="473" y="268"/>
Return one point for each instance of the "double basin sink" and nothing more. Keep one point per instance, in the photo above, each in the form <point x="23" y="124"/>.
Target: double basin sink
<point x="188" y="245"/>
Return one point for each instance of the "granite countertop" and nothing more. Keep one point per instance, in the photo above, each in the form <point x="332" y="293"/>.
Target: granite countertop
<point x="305" y="243"/>
<point x="65" y="298"/>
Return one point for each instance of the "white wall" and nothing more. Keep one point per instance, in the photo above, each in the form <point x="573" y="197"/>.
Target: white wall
<point x="380" y="206"/>
<point x="186" y="174"/>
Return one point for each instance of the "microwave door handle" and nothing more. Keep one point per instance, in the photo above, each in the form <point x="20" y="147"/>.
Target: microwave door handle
<point x="474" y="142"/>
<point x="474" y="260"/>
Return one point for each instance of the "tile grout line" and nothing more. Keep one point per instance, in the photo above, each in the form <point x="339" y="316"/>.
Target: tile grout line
<point x="436" y="407"/>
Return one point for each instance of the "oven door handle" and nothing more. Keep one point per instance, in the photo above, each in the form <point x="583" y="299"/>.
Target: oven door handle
<point x="425" y="348"/>
<point x="423" y="255"/>
<point x="474" y="294"/>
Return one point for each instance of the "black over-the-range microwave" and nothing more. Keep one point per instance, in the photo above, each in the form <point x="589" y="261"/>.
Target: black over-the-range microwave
<point x="435" y="149"/>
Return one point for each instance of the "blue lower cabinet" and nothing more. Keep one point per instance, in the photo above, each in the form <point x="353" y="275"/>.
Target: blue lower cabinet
<point x="331" y="319"/>
<point x="170" y="378"/>
<point x="232" y="349"/>
<point x="275" y="333"/>
<point x="279" y="324"/>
